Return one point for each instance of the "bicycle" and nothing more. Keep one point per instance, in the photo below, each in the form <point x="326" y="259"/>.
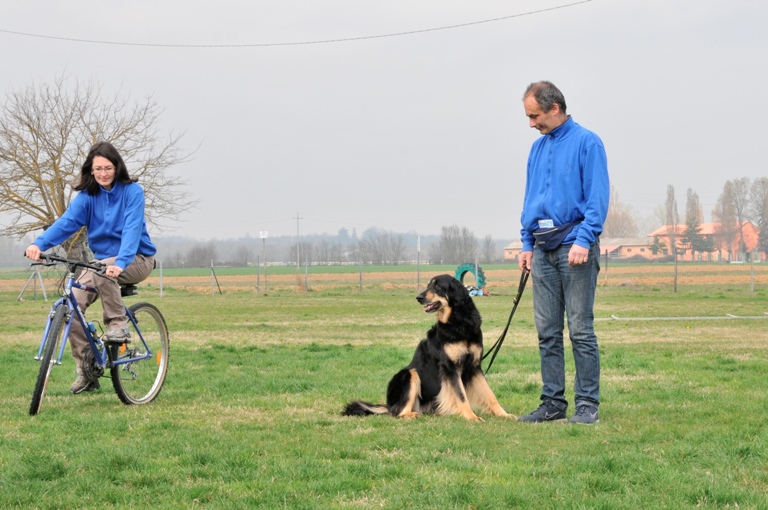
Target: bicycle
<point x="138" y="368"/>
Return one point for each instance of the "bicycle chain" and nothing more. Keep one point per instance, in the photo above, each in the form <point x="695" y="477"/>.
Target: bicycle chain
<point x="90" y="370"/>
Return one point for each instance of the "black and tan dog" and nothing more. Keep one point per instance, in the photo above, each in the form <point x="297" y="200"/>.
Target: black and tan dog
<point x="444" y="376"/>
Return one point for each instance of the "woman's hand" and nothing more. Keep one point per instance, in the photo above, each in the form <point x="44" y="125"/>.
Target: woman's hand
<point x="33" y="252"/>
<point x="113" y="271"/>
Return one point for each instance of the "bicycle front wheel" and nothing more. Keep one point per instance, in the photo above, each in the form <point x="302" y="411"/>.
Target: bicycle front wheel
<point x="52" y="341"/>
<point x="139" y="382"/>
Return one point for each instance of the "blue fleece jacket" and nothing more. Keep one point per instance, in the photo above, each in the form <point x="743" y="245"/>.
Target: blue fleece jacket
<point x="115" y="222"/>
<point x="567" y="179"/>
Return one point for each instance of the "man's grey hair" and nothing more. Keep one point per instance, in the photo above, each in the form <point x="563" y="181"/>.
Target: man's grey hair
<point x="546" y="95"/>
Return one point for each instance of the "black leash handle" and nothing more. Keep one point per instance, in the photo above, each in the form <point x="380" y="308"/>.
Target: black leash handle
<point x="497" y="345"/>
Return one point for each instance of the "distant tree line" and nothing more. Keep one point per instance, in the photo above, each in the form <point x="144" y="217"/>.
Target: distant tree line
<point x="455" y="245"/>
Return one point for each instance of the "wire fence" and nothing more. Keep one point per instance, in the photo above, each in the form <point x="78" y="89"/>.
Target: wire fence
<point x="40" y="283"/>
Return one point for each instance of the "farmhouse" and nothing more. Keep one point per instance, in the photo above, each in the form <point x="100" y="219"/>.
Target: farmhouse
<point x="726" y="243"/>
<point x="615" y="248"/>
<point x="622" y="248"/>
<point x="512" y="250"/>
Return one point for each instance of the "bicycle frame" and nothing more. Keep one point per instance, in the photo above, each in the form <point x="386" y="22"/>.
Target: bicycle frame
<point x="101" y="354"/>
<point x="137" y="370"/>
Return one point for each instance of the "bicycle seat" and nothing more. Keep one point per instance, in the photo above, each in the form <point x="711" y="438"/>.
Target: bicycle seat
<point x="128" y="289"/>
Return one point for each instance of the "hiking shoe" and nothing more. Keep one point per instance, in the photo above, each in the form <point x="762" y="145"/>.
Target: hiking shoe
<point x="547" y="411"/>
<point x="118" y="336"/>
<point x="82" y="384"/>
<point x="585" y="415"/>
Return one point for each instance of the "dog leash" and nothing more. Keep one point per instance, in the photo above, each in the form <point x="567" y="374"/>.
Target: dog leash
<point x="497" y="346"/>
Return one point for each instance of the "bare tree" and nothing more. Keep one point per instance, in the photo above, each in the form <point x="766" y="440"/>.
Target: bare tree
<point x="740" y="197"/>
<point x="654" y="220"/>
<point x="456" y="245"/>
<point x="305" y="249"/>
<point x="620" y="221"/>
<point x="489" y="250"/>
<point x="322" y="253"/>
<point x="672" y="219"/>
<point x="759" y="210"/>
<point x="327" y="252"/>
<point x="201" y="255"/>
<point x="243" y="255"/>
<point x="726" y="215"/>
<point x="46" y="130"/>
<point x="382" y="248"/>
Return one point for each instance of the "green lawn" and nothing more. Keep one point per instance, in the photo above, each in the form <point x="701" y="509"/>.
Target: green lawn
<point x="249" y="416"/>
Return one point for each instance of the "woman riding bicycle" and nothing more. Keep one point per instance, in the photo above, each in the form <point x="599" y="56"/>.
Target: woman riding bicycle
<point x="111" y="206"/>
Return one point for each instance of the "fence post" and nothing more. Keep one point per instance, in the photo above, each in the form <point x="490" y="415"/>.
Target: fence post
<point x="215" y="280"/>
<point x="34" y="278"/>
<point x="418" y="263"/>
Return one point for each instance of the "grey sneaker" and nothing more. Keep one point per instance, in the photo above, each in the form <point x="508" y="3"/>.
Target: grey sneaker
<point x="585" y="415"/>
<point x="547" y="411"/>
<point x="82" y="384"/>
<point x="118" y="336"/>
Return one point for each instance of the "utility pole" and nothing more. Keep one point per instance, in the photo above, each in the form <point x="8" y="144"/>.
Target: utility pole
<point x="264" y="234"/>
<point x="298" y="242"/>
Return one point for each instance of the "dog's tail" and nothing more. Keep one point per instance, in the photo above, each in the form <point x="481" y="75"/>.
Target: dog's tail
<point x="360" y="408"/>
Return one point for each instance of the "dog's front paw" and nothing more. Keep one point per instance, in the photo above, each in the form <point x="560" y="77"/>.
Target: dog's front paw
<point x="409" y="415"/>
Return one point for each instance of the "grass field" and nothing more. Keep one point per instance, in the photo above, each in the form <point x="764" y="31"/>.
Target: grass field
<point x="249" y="416"/>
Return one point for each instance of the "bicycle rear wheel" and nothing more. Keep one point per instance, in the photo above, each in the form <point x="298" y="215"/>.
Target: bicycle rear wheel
<point x="52" y="341"/>
<point x="139" y="382"/>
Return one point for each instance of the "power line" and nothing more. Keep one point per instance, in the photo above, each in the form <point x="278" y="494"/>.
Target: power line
<point x="297" y="43"/>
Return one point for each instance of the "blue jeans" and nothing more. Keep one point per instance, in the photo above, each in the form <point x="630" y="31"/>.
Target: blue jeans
<point x="561" y="290"/>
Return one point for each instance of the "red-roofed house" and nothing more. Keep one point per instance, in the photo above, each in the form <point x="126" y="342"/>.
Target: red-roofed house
<point x="623" y="248"/>
<point x="616" y="248"/>
<point x="727" y="245"/>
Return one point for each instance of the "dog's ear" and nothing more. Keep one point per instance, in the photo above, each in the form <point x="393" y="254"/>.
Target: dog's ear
<point x="458" y="291"/>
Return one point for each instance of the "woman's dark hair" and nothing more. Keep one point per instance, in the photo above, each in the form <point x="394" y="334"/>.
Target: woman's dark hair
<point x="546" y="95"/>
<point x="108" y="151"/>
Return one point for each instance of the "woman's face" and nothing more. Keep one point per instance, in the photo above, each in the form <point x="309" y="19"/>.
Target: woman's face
<point x="103" y="171"/>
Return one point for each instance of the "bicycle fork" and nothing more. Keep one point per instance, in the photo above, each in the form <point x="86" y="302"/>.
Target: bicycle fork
<point x="64" y="336"/>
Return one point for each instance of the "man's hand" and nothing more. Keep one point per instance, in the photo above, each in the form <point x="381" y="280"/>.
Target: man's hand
<point x="577" y="255"/>
<point x="524" y="260"/>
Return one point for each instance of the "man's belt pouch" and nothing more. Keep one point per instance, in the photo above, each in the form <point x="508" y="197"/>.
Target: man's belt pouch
<point x="548" y="239"/>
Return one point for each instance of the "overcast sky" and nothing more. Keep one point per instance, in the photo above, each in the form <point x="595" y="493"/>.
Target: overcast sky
<point x="417" y="131"/>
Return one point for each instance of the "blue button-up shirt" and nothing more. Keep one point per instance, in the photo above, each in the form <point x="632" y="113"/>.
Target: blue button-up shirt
<point x="567" y="180"/>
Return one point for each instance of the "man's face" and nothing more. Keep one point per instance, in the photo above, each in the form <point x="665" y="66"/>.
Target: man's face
<point x="545" y="122"/>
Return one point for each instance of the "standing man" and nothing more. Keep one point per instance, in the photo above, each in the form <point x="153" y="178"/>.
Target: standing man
<point x="566" y="202"/>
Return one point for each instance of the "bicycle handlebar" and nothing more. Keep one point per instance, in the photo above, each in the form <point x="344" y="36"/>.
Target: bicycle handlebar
<point x="52" y="260"/>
